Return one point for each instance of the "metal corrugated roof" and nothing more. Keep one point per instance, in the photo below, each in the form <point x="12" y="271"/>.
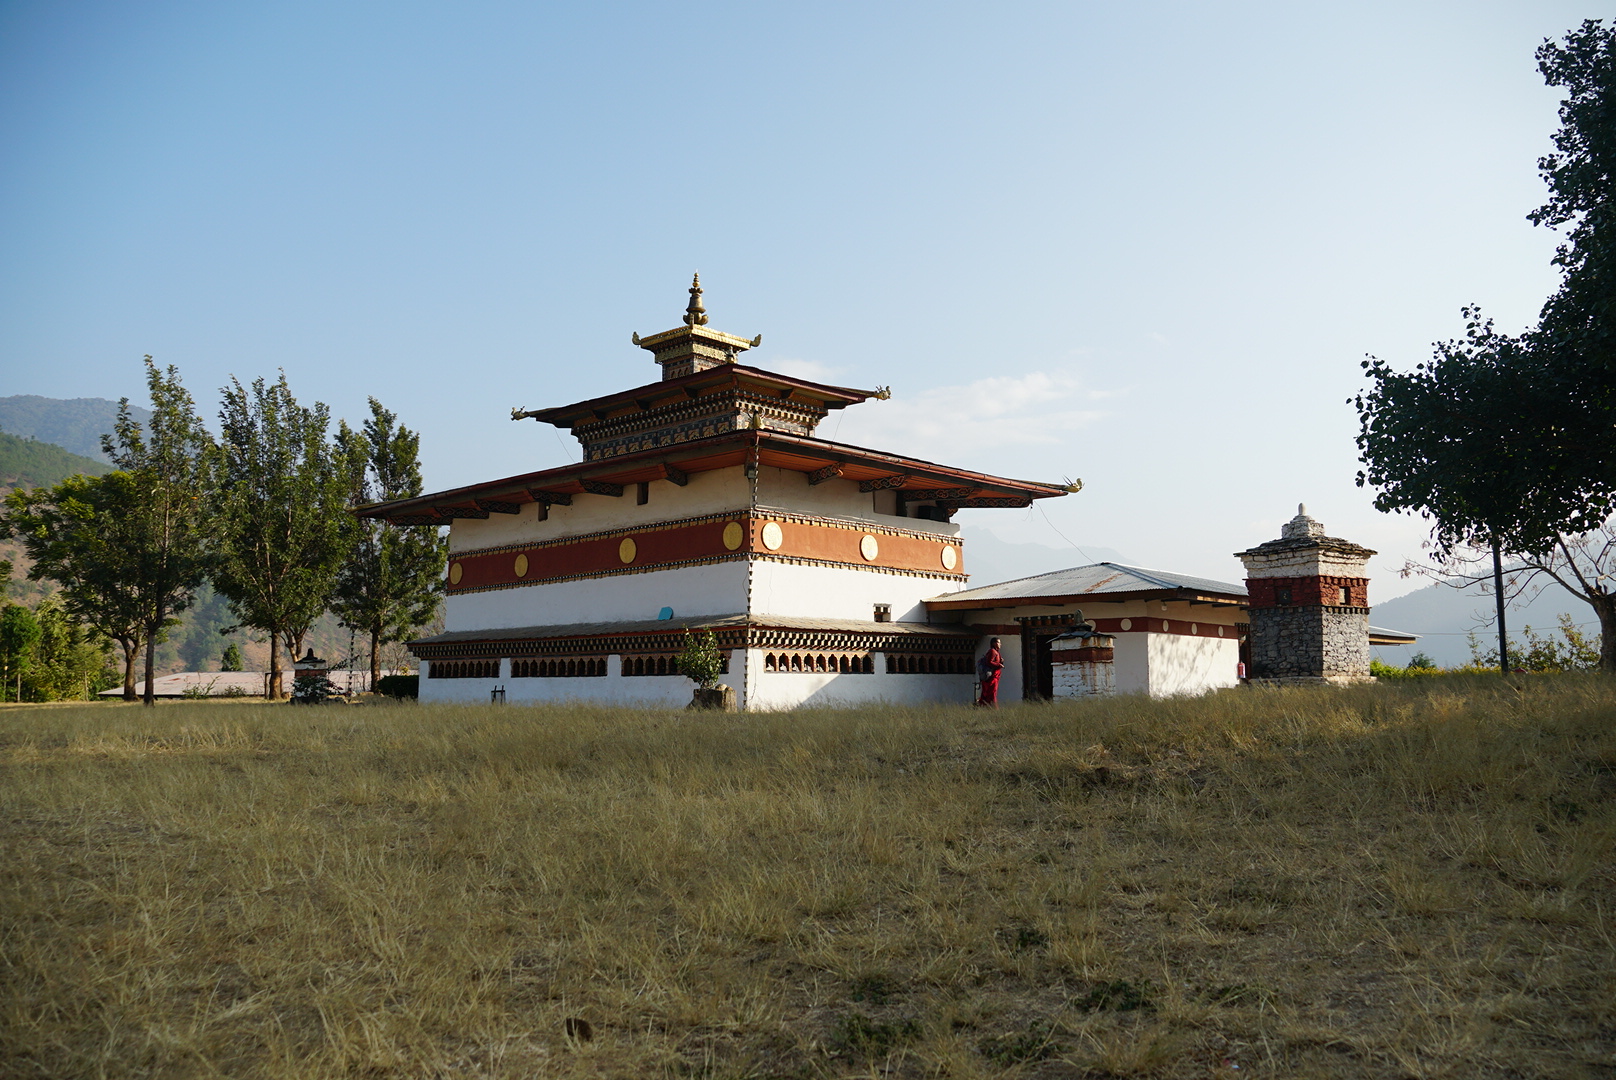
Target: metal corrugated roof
<point x="1095" y="580"/>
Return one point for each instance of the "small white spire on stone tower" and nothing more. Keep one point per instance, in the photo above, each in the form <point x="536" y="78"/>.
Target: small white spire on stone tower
<point x="1301" y="526"/>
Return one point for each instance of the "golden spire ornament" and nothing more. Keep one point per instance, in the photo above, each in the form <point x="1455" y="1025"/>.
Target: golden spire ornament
<point x="695" y="314"/>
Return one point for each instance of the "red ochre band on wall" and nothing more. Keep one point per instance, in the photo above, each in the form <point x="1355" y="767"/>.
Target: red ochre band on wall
<point x="1153" y="625"/>
<point x="1306" y="591"/>
<point x="794" y="538"/>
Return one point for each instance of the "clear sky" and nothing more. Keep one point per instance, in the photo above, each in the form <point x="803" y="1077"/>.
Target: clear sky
<point x="1142" y="244"/>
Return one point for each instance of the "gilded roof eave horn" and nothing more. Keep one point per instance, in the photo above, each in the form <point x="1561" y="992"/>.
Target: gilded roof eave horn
<point x="695" y="314"/>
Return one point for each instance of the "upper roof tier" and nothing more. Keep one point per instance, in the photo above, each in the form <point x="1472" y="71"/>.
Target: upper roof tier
<point x="698" y="405"/>
<point x="703" y="392"/>
<point x="692" y="347"/>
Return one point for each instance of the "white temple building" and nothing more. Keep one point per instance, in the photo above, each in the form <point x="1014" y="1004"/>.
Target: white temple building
<point x="828" y="573"/>
<point x="704" y="501"/>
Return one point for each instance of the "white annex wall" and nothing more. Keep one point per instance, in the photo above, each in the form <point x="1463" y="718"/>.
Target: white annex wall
<point x="1180" y="664"/>
<point x="833" y="592"/>
<point x="1132" y="661"/>
<point x="715" y="589"/>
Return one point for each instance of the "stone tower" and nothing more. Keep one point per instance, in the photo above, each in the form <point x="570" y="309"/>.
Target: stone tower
<point x="1309" y="597"/>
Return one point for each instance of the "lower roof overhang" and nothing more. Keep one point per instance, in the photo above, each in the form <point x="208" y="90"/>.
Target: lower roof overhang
<point x="912" y="478"/>
<point x="1194" y="598"/>
<point x="668" y="635"/>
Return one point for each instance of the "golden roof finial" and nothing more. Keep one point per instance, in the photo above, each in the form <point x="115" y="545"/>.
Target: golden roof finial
<point x="695" y="314"/>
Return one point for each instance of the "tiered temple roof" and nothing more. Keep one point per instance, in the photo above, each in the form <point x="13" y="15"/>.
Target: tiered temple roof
<point x="711" y="412"/>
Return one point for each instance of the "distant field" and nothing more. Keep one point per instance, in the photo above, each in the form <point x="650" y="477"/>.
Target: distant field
<point x="1392" y="881"/>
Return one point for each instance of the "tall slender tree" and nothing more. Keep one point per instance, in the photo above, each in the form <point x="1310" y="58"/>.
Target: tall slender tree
<point x="390" y="586"/>
<point x="1509" y="442"/>
<point x="19" y="633"/>
<point x="283" y="526"/>
<point x="79" y="534"/>
<point x="167" y="460"/>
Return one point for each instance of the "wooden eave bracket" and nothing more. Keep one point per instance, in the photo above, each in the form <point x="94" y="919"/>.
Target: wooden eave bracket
<point x="429" y="518"/>
<point x="675" y="475"/>
<point x="494" y="506"/>
<point x="829" y="472"/>
<point x="883" y="483"/>
<point x="601" y="487"/>
<point x="936" y="494"/>
<point x="462" y="512"/>
<point x="549" y="498"/>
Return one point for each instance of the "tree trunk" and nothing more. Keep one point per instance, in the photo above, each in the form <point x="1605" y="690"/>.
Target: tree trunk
<point x="375" y="661"/>
<point x="274" y="666"/>
<point x="1498" y="593"/>
<point x="131" y="650"/>
<point x="148" y="696"/>
<point x="1605" y="608"/>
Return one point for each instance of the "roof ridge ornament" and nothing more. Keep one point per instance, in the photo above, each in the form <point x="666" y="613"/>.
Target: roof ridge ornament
<point x="695" y="314"/>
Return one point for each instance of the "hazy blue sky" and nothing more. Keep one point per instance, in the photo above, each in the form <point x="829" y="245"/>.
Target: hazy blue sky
<point x="1141" y="244"/>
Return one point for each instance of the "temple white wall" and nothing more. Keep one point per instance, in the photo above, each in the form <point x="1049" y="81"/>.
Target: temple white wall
<point x="707" y="493"/>
<point x="716" y="589"/>
<point x="833" y="592"/>
<point x="658" y="691"/>
<point x="716" y="492"/>
<point x="786" y="690"/>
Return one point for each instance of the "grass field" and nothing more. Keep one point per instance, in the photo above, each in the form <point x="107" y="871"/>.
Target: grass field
<point x="1390" y="881"/>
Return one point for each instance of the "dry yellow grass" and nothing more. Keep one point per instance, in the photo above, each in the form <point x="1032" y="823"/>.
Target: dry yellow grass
<point x="1385" y="882"/>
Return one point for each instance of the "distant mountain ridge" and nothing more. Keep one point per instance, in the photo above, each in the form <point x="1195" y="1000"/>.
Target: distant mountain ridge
<point x="1444" y="617"/>
<point x="75" y="424"/>
<point x="31" y="463"/>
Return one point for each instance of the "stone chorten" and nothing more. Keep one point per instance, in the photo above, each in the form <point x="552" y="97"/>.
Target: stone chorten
<point x="1309" y="596"/>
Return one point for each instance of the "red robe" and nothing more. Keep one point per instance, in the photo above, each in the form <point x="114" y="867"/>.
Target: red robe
<point x="993" y="662"/>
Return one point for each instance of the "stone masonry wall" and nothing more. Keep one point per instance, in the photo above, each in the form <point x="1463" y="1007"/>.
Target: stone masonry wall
<point x="1298" y="642"/>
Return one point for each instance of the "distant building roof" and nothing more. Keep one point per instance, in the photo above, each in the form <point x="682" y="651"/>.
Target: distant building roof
<point x="1106" y="580"/>
<point x="1379" y="635"/>
<point x="235" y="683"/>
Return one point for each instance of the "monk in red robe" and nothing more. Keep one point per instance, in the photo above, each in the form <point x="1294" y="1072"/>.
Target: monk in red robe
<point x="987" y="673"/>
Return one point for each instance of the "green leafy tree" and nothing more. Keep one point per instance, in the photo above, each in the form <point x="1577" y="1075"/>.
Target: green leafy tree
<point x="391" y="585"/>
<point x="701" y="662"/>
<point x="167" y="527"/>
<point x="1508" y="443"/>
<point x="19" y="632"/>
<point x="70" y="660"/>
<point x="1575" y="340"/>
<point x="284" y="529"/>
<point x="231" y="660"/>
<point x="81" y="534"/>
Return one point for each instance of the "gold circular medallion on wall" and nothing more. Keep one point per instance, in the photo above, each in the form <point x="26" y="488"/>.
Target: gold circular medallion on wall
<point x="1127" y="624"/>
<point x="1220" y="631"/>
<point x="455" y="571"/>
<point x="950" y="557"/>
<point x="773" y="537"/>
<point x="733" y="535"/>
<point x="869" y="548"/>
<point x="1195" y="628"/>
<point x="521" y="565"/>
<point x="1167" y="627"/>
<point x="627" y="550"/>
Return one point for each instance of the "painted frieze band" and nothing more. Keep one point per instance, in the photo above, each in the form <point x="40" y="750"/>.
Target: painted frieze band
<point x="745" y="534"/>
